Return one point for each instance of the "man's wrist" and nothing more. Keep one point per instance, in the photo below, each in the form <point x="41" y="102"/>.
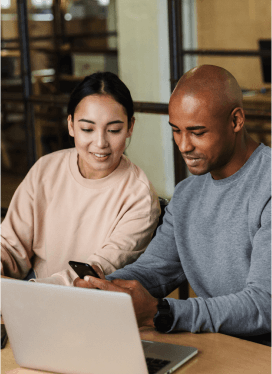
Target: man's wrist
<point x="153" y="311"/>
<point x="163" y="319"/>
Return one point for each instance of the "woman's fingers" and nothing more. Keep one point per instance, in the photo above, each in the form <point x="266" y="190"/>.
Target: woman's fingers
<point x="98" y="271"/>
<point x="80" y="283"/>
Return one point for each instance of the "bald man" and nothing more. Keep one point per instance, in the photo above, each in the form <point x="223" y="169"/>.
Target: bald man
<point x="216" y="229"/>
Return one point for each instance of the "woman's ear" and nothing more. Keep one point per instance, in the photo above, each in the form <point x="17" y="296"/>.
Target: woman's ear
<point x="130" y="131"/>
<point x="70" y="125"/>
<point x="238" y="119"/>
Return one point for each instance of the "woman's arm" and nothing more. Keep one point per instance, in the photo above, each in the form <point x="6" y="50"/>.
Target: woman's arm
<point x="17" y="232"/>
<point x="125" y="242"/>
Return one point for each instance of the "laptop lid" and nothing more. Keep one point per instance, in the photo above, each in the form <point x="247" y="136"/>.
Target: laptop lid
<point x="73" y="330"/>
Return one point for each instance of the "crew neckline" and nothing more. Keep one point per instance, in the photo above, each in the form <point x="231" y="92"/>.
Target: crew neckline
<point x="241" y="171"/>
<point x="105" y="182"/>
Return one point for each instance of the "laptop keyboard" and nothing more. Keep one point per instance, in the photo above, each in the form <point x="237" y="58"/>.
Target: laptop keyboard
<point x="154" y="364"/>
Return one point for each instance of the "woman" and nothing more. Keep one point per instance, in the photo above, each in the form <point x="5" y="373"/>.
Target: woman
<point x="88" y="203"/>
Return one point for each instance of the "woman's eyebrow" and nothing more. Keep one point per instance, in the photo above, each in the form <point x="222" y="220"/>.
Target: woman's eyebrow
<point x="112" y="122"/>
<point x="109" y="123"/>
<point x="86" y="120"/>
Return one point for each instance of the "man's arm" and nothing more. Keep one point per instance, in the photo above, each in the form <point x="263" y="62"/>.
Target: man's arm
<point x="158" y="269"/>
<point x="247" y="312"/>
<point x="244" y="313"/>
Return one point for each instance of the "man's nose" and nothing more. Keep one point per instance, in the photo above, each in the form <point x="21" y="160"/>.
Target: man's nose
<point x="184" y="143"/>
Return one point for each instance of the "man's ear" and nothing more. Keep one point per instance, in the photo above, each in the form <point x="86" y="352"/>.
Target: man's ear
<point x="70" y="126"/>
<point x="238" y="119"/>
<point x="130" y="131"/>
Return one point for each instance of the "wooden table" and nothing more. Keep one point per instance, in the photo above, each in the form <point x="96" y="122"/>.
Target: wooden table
<point x="218" y="354"/>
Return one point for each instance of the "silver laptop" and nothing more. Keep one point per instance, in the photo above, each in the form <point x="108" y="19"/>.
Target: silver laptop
<point x="75" y="330"/>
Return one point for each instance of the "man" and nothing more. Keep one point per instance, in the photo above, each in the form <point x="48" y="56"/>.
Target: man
<point x="216" y="229"/>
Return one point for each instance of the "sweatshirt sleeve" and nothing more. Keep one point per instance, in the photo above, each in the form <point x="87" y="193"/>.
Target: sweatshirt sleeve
<point x="158" y="269"/>
<point x="17" y="231"/>
<point x="127" y="241"/>
<point x="247" y="312"/>
<point x="131" y="235"/>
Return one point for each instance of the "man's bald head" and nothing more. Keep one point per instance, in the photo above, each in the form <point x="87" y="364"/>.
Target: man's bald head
<point x="213" y="84"/>
<point x="207" y="119"/>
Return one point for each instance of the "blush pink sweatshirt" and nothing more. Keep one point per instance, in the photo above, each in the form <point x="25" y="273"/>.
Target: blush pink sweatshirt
<point x="57" y="215"/>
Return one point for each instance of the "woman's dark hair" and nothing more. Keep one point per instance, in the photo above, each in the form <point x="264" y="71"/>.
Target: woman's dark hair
<point x="102" y="83"/>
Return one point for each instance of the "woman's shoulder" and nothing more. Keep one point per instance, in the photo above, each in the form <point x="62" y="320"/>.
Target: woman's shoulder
<point x="54" y="158"/>
<point x="57" y="155"/>
<point x="137" y="173"/>
<point x="51" y="163"/>
<point x="138" y="186"/>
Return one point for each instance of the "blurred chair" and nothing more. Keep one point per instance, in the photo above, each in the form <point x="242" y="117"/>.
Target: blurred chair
<point x="163" y="205"/>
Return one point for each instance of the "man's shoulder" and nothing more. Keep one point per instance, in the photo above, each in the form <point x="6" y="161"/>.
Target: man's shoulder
<point x="261" y="164"/>
<point x="258" y="177"/>
<point x="265" y="154"/>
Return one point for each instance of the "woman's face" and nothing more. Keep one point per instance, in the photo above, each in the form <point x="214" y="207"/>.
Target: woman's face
<point x="100" y="130"/>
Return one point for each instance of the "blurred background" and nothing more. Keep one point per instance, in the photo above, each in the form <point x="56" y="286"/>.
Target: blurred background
<point x="48" y="46"/>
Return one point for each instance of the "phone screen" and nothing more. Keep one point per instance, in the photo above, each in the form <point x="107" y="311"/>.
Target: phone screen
<point x="83" y="269"/>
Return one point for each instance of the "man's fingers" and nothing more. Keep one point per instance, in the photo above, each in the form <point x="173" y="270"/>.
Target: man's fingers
<point x="103" y="284"/>
<point x="125" y="283"/>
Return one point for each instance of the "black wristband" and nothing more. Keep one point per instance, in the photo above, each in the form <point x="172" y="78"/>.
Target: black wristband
<point x="163" y="319"/>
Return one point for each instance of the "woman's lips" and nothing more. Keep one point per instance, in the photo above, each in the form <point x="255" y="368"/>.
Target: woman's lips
<point x="100" y="156"/>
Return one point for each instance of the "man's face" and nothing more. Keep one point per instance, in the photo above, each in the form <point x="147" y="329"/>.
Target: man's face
<point x="205" y="138"/>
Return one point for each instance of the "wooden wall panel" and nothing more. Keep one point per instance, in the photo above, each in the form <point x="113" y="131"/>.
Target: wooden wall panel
<point x="234" y="24"/>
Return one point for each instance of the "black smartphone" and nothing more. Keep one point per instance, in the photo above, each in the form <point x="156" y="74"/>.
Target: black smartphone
<point x="83" y="269"/>
<point x="4" y="336"/>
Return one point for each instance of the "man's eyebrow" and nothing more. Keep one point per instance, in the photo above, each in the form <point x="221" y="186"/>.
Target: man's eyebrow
<point x="171" y="124"/>
<point x="109" y="123"/>
<point x="190" y="128"/>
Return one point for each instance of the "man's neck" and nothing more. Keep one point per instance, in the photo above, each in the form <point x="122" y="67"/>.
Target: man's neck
<point x="246" y="147"/>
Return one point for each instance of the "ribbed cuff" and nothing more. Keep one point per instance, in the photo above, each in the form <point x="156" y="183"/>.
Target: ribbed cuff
<point x="182" y="311"/>
<point x="54" y="279"/>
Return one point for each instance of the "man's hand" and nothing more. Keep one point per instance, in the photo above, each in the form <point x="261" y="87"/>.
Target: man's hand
<point x="78" y="282"/>
<point x="145" y="305"/>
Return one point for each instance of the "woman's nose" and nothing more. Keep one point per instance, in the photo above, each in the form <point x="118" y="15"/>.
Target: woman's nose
<point x="101" y="140"/>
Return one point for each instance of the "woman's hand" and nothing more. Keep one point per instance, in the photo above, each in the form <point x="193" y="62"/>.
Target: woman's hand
<point x="84" y="283"/>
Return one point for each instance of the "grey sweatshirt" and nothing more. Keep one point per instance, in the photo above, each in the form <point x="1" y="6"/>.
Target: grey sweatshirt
<point x="217" y="235"/>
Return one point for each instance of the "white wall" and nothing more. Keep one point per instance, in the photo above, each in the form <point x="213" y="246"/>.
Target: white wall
<point x="189" y="32"/>
<point x="143" y="62"/>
